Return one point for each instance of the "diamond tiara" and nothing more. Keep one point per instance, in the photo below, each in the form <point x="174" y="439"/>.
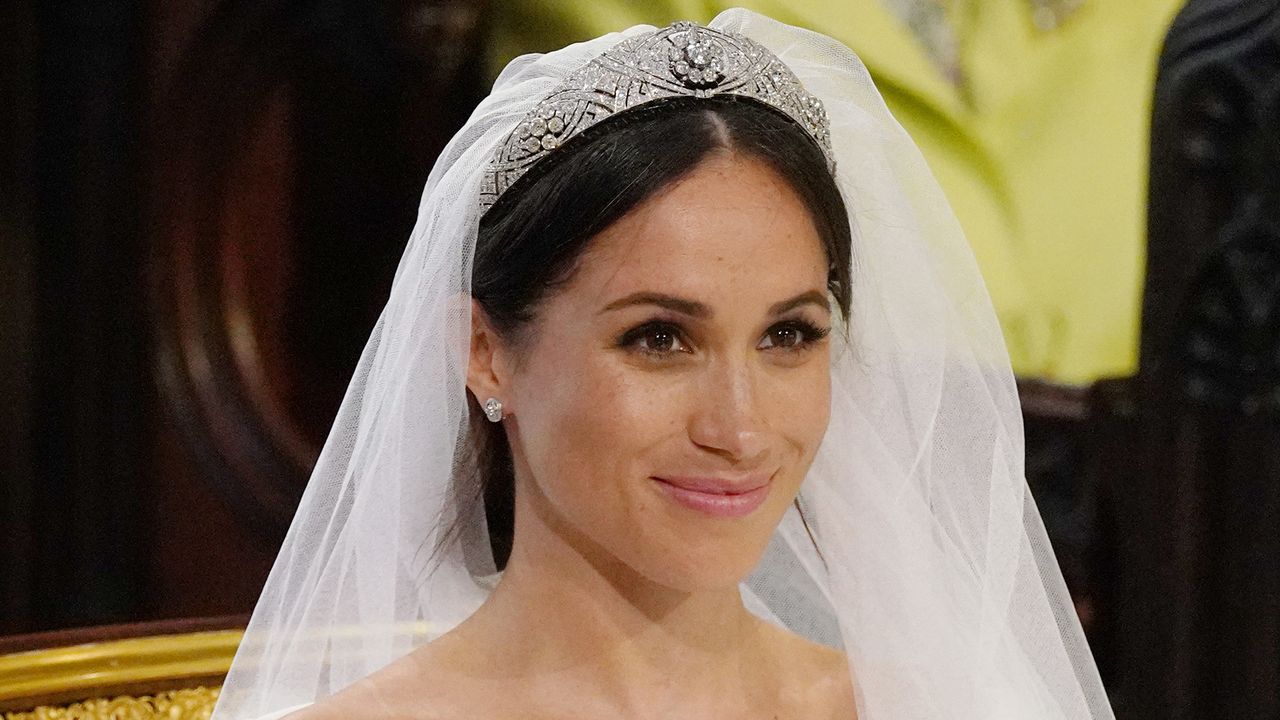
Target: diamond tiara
<point x="683" y="60"/>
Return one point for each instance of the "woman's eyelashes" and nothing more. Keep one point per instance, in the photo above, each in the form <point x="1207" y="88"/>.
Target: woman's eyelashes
<point x="662" y="338"/>
<point x="796" y="334"/>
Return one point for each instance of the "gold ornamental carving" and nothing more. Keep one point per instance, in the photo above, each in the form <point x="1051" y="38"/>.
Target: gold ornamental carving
<point x="187" y="704"/>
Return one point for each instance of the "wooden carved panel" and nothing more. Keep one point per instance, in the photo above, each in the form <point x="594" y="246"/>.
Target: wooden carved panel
<point x="1194" y="471"/>
<point x="297" y="141"/>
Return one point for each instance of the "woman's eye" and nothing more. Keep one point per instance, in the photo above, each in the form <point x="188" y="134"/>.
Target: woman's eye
<point x="785" y="337"/>
<point x="665" y="339"/>
<point x="656" y="339"/>
<point x="794" y="335"/>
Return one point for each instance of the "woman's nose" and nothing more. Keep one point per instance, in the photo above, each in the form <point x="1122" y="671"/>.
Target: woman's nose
<point x="726" y="415"/>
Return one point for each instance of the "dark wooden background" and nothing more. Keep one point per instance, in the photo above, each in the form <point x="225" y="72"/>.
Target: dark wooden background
<point x="202" y="203"/>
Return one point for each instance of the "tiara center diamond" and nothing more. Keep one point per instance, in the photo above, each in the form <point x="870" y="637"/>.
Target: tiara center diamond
<point x="700" y="63"/>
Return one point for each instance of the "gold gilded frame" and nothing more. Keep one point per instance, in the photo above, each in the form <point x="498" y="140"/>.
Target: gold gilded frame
<point x="171" y="676"/>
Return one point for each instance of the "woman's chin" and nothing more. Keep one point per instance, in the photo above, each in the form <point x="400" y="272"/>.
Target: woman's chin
<point x="693" y="553"/>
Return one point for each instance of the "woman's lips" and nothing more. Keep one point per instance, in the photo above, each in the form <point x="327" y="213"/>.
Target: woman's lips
<point x="717" y="497"/>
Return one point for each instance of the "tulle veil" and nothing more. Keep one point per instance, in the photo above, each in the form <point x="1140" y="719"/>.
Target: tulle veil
<point x="932" y="568"/>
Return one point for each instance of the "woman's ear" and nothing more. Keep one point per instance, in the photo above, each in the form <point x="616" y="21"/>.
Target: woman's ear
<point x="487" y="368"/>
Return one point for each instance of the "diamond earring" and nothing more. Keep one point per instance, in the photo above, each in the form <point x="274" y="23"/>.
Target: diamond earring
<point x="493" y="409"/>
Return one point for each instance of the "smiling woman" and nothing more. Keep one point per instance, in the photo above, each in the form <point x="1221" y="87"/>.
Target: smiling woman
<point x="696" y="401"/>
<point x="688" y="402"/>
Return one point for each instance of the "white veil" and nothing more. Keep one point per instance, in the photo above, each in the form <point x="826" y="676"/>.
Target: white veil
<point x="935" y="574"/>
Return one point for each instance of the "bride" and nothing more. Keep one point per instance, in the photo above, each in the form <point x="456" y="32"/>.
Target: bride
<point x="688" y="402"/>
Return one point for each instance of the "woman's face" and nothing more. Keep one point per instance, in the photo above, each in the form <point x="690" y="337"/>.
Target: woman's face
<point x="673" y="394"/>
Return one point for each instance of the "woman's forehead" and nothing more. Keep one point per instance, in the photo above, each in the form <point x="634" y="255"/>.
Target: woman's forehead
<point x="730" y="221"/>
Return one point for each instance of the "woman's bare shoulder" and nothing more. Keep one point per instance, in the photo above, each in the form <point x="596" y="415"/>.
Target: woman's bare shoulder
<point x="438" y="681"/>
<point x="818" y="676"/>
<point x="397" y="691"/>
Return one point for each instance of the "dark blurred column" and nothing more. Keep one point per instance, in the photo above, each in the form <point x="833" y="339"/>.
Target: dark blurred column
<point x="17" y="243"/>
<point x="73" y="334"/>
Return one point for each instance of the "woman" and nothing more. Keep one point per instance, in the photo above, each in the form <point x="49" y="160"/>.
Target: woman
<point x="687" y="402"/>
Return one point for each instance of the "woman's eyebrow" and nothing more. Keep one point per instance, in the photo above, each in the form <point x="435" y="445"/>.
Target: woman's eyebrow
<point x="812" y="297"/>
<point x="693" y="308"/>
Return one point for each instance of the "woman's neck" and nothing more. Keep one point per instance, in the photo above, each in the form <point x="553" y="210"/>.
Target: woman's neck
<point x="567" y="608"/>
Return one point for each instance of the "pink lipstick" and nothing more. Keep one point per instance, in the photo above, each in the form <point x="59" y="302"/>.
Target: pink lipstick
<point x="718" y="497"/>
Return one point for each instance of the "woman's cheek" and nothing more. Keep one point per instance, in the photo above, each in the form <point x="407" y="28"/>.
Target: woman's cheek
<point x="603" y="419"/>
<point x="799" y="407"/>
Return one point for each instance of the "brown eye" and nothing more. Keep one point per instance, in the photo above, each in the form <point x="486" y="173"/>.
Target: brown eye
<point x="786" y="337"/>
<point x="660" y="341"/>
<point x="794" y="336"/>
<point x="655" y="339"/>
